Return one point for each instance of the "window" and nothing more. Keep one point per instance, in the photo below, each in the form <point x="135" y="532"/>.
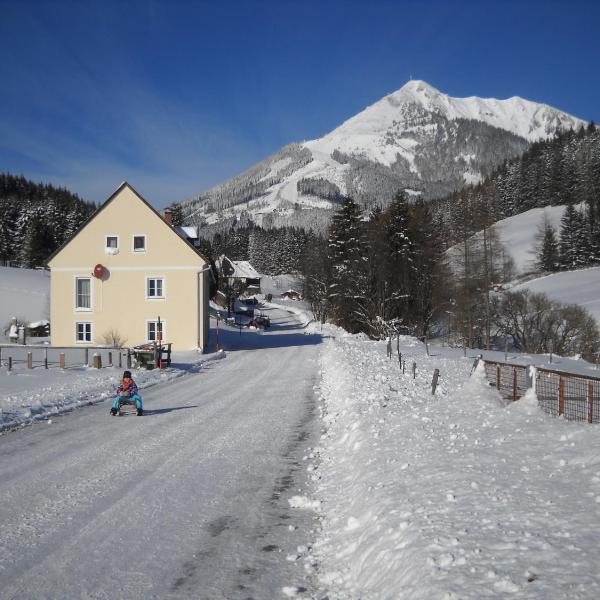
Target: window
<point x="155" y="287"/>
<point x="83" y="293"/>
<point x="139" y="243"/>
<point x="112" y="241"/>
<point x="83" y="332"/>
<point x="153" y="329"/>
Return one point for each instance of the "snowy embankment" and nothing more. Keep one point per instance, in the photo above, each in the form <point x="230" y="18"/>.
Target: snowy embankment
<point x="457" y="495"/>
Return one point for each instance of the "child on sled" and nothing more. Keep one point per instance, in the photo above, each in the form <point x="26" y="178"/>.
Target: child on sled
<point x="127" y="393"/>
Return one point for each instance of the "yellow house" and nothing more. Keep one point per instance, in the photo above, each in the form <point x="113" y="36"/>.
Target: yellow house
<point x="125" y="268"/>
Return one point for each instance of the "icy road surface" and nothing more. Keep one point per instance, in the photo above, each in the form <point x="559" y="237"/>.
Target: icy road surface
<point x="189" y="501"/>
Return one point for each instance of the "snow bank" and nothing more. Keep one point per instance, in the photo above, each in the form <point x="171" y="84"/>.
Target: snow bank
<point x="457" y="495"/>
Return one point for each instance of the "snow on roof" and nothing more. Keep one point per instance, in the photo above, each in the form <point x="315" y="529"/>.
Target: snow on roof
<point x="244" y="269"/>
<point x="36" y="324"/>
<point x="189" y="232"/>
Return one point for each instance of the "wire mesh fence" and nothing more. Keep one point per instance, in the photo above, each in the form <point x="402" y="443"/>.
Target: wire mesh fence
<point x="511" y="381"/>
<point x="575" y="397"/>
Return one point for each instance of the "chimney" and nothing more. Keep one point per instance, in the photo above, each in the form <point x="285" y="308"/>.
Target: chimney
<point x="168" y="216"/>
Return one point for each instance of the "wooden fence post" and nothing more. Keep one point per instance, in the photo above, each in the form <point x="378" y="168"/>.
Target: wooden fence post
<point x="120" y="359"/>
<point x="30" y="360"/>
<point x="434" y="382"/>
<point x="10" y="363"/>
<point x="45" y="358"/>
<point x="403" y="367"/>
<point x="514" y="384"/>
<point x="591" y="402"/>
<point x="497" y="377"/>
<point x="414" y="369"/>
<point x="61" y="360"/>
<point x="561" y="395"/>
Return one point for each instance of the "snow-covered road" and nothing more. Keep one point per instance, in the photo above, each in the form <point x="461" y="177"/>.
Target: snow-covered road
<point x="189" y="501"/>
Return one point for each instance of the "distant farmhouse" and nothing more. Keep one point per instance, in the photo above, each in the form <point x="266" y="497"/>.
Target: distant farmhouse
<point x="240" y="273"/>
<point x="125" y="268"/>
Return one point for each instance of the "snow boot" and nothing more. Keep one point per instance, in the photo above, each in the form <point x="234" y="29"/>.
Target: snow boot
<point x="114" y="411"/>
<point x="140" y="412"/>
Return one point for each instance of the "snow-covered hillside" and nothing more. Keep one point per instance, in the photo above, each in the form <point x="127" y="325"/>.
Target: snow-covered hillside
<point x="25" y="294"/>
<point x="518" y="235"/>
<point x="416" y="139"/>
<point x="571" y="287"/>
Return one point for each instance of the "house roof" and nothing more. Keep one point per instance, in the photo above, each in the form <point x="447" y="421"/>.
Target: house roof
<point x="244" y="269"/>
<point x="188" y="232"/>
<point x="241" y="268"/>
<point x="106" y="203"/>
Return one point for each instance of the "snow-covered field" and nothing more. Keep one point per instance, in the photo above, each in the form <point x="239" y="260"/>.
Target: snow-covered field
<point x="456" y="495"/>
<point x="24" y="293"/>
<point x="571" y="287"/>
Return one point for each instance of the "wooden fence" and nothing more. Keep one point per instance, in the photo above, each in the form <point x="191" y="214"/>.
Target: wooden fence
<point x="46" y="357"/>
<point x="572" y="396"/>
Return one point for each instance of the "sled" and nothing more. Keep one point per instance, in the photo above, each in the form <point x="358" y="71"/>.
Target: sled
<point x="128" y="407"/>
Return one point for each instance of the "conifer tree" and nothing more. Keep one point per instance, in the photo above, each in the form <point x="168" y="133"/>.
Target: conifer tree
<point x="346" y="252"/>
<point x="570" y="238"/>
<point x="547" y="251"/>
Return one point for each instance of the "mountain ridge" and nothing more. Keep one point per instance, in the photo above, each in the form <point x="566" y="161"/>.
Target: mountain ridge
<point x="416" y="139"/>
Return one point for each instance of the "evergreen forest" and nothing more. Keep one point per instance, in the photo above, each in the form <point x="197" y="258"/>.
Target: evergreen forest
<point x="36" y="219"/>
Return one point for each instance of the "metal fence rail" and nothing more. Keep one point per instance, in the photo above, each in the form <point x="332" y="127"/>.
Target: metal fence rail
<point x="575" y="397"/>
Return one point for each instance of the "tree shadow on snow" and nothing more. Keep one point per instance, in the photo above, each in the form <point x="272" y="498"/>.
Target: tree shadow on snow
<point x="252" y="339"/>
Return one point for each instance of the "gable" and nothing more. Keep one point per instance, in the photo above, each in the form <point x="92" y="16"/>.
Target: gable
<point x="125" y="215"/>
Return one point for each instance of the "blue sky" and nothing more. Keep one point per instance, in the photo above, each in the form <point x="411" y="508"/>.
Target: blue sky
<point x="177" y="96"/>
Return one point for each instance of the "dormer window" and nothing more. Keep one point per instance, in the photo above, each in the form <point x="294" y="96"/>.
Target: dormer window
<point x="139" y="243"/>
<point x="112" y="244"/>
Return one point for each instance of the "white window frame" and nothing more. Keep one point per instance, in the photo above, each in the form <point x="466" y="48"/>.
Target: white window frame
<point x="80" y="308"/>
<point x="107" y="247"/>
<point x="77" y="340"/>
<point x="133" y="249"/>
<point x="164" y="287"/>
<point x="147" y="332"/>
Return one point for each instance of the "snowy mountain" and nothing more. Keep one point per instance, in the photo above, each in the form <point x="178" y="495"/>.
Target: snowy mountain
<point x="417" y="139"/>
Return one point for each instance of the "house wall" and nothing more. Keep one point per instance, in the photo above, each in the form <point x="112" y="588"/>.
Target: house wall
<point x="119" y="300"/>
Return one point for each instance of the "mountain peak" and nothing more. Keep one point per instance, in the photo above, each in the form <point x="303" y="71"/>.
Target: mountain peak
<point x="418" y="85"/>
<point x="529" y="120"/>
